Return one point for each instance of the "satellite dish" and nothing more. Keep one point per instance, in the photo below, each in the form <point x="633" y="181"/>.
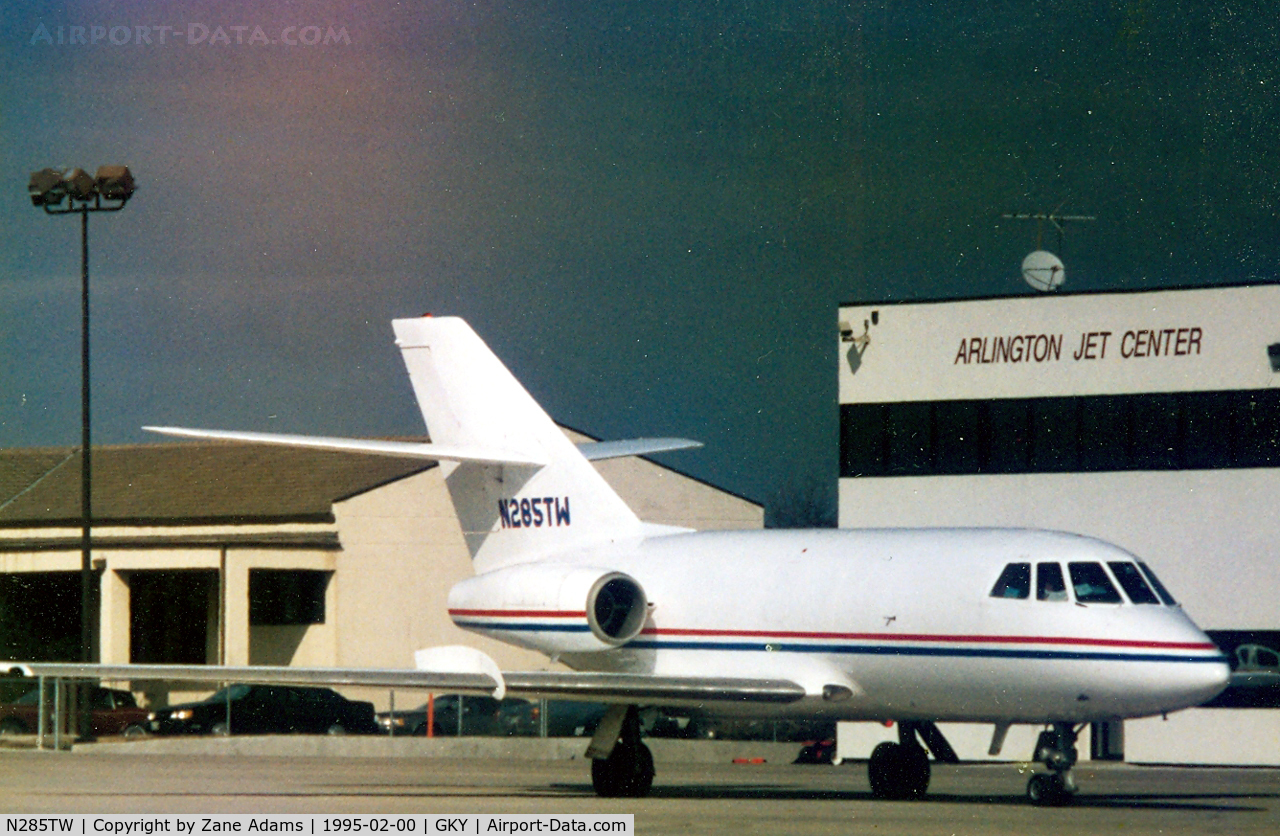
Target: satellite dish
<point x="1043" y="270"/>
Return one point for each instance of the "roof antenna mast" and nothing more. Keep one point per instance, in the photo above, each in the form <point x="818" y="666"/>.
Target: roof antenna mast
<point x="1042" y="269"/>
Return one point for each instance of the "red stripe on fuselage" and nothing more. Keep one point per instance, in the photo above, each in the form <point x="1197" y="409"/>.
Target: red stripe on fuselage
<point x="923" y="637"/>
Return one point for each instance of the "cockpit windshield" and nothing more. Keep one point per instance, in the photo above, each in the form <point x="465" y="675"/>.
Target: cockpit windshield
<point x="1050" y="585"/>
<point x="1090" y="583"/>
<point x="1159" y="587"/>
<point x="1131" y="580"/>
<point x="1014" y="582"/>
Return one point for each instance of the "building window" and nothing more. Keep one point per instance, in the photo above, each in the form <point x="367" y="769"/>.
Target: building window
<point x="1158" y="427"/>
<point x="959" y="444"/>
<point x="286" y="596"/>
<point x="1005" y="446"/>
<point x="911" y="439"/>
<point x="171" y="613"/>
<point x="40" y="616"/>
<point x="1055" y="435"/>
<point x="862" y="441"/>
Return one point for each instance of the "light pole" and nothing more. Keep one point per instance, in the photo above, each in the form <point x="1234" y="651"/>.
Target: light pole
<point x="108" y="191"/>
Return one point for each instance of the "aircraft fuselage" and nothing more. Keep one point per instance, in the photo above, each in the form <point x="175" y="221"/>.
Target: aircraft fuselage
<point x="889" y="624"/>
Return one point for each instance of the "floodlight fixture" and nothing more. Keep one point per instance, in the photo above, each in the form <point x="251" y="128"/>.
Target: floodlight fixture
<point x="46" y="187"/>
<point x="79" y="184"/>
<point x="115" y="182"/>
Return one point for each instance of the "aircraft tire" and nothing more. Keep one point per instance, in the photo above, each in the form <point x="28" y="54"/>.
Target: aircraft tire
<point x="1047" y="790"/>
<point x="898" y="772"/>
<point x="626" y="773"/>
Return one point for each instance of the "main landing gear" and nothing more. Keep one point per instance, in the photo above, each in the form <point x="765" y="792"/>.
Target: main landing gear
<point x="900" y="771"/>
<point x="621" y="765"/>
<point x="1055" y="749"/>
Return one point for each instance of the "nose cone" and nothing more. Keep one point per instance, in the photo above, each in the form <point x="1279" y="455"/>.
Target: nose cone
<point x="1202" y="682"/>
<point x="1207" y="672"/>
<point x="1196" y="677"/>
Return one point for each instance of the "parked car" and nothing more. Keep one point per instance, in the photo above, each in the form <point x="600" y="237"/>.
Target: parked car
<point x="696" y="725"/>
<point x="479" y="717"/>
<point x="1255" y="680"/>
<point x="564" y="718"/>
<point x="1256" y="665"/>
<point x="489" y="717"/>
<point x="111" y="712"/>
<point x="267" y="709"/>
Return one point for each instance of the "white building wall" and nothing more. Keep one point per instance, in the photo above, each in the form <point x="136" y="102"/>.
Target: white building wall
<point x="1212" y="736"/>
<point x="1213" y="536"/>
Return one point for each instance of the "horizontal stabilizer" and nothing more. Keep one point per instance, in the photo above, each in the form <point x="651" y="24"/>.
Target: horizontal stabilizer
<point x="569" y="685"/>
<point x="597" y="450"/>
<point x="396" y="449"/>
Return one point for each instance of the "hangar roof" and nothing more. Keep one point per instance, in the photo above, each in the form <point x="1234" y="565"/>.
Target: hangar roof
<point x="188" y="483"/>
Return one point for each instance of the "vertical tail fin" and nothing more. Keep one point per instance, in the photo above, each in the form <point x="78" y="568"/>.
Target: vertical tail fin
<point x="510" y="513"/>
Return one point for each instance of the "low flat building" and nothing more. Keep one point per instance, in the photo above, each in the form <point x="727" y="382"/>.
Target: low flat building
<point x="215" y="553"/>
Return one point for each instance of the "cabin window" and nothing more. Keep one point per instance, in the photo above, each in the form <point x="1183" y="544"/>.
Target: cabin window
<point x="1091" y="584"/>
<point x="1134" y="586"/>
<point x="1050" y="585"/>
<point x="1159" y="587"/>
<point x="1014" y="582"/>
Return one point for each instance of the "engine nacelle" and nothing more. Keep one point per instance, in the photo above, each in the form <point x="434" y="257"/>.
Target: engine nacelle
<point x="554" y="608"/>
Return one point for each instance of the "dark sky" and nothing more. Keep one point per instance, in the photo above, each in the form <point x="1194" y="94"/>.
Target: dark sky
<point x="651" y="211"/>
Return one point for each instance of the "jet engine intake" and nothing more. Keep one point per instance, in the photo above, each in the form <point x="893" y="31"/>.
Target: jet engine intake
<point x="552" y="608"/>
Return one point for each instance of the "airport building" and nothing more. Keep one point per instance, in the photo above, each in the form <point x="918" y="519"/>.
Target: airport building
<point x="1147" y="419"/>
<point x="215" y="553"/>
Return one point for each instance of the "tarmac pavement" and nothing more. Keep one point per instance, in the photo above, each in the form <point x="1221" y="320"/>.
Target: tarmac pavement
<point x="711" y="797"/>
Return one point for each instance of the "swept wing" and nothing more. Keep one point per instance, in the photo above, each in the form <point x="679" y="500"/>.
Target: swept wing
<point x="594" y="687"/>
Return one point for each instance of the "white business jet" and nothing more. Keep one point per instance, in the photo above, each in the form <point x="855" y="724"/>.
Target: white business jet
<point x="994" y="626"/>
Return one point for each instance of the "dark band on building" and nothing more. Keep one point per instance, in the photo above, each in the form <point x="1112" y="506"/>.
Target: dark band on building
<point x="1087" y="433"/>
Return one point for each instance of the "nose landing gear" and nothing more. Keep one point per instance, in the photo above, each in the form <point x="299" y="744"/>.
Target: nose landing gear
<point x="1056" y="749"/>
